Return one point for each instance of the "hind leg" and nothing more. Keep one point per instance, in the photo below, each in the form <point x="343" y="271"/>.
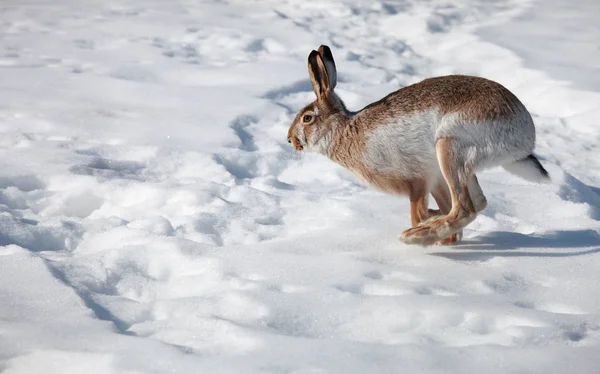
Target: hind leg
<point x="477" y="196"/>
<point x="457" y="170"/>
<point x="443" y="199"/>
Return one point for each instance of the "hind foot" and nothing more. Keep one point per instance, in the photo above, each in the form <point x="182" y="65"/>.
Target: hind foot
<point x="451" y="240"/>
<point x="436" y="230"/>
<point x="427" y="233"/>
<point x="433" y="215"/>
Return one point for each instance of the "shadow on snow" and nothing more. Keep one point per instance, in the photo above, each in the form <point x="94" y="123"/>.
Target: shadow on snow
<point x="510" y="244"/>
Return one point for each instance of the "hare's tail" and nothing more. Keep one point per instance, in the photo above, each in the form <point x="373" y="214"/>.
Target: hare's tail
<point x="528" y="168"/>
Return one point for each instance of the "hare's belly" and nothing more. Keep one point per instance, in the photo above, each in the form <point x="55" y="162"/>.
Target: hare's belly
<point x="391" y="182"/>
<point x="405" y="146"/>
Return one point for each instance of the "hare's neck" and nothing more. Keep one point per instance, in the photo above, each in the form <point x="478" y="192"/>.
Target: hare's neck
<point x="346" y="142"/>
<point x="346" y="139"/>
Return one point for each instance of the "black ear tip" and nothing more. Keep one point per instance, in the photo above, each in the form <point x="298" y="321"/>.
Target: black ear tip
<point x="325" y="52"/>
<point x="313" y="54"/>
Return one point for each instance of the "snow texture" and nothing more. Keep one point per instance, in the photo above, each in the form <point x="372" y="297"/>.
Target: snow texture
<point x="154" y="219"/>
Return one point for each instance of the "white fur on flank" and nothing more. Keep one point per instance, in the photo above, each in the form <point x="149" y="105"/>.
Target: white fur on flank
<point x="490" y="143"/>
<point x="404" y="145"/>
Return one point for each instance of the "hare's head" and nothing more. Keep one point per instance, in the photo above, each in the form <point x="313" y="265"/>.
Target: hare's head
<point x="313" y="126"/>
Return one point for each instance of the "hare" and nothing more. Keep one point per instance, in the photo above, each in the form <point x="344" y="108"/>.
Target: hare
<point x="427" y="138"/>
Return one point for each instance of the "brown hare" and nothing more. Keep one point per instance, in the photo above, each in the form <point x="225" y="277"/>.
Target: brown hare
<point x="427" y="138"/>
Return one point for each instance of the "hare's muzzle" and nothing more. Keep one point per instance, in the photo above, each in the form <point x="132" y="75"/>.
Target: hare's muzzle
<point x="295" y="143"/>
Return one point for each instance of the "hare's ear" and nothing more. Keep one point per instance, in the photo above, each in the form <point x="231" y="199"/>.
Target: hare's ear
<point x="318" y="75"/>
<point x="327" y="57"/>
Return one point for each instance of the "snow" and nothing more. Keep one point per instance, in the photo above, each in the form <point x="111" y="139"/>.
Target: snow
<point x="154" y="219"/>
<point x="561" y="39"/>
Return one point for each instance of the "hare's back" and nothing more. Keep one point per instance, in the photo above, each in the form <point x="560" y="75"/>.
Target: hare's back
<point x="474" y="98"/>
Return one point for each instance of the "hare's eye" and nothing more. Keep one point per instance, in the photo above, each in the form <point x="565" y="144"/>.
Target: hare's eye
<point x="307" y="118"/>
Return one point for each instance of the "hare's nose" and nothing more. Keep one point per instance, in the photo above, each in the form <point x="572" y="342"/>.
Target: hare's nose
<point x="289" y="139"/>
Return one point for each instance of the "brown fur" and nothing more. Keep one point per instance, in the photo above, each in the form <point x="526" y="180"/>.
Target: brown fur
<point x="476" y="98"/>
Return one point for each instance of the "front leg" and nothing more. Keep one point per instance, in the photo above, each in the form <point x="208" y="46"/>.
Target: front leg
<point x="418" y="209"/>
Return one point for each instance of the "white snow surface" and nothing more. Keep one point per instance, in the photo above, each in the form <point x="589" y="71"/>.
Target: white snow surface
<point x="154" y="219"/>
